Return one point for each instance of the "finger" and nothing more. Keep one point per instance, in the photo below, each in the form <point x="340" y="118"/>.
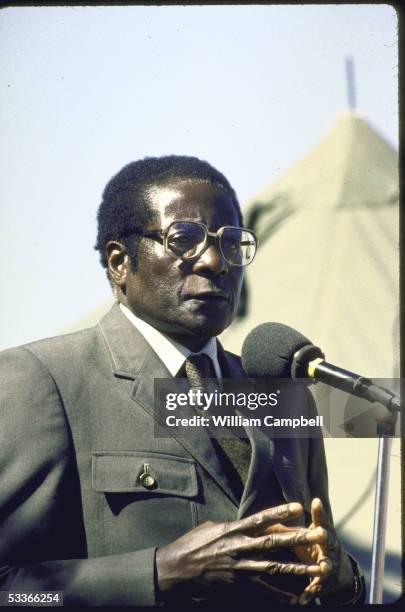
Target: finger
<point x="327" y="566"/>
<point x="261" y="520"/>
<point x="289" y="539"/>
<point x="311" y="591"/>
<point x="279" y="528"/>
<point x="275" y="567"/>
<point x="319" y="517"/>
<point x="310" y="553"/>
<point x="315" y="586"/>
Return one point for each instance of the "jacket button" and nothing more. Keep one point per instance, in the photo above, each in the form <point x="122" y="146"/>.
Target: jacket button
<point x="146" y="479"/>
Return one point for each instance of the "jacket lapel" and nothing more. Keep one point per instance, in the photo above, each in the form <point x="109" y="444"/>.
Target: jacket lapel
<point x="259" y="471"/>
<point x="275" y="463"/>
<point x="261" y="463"/>
<point x="290" y="469"/>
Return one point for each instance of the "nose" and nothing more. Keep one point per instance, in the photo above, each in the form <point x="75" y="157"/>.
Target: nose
<point x="211" y="259"/>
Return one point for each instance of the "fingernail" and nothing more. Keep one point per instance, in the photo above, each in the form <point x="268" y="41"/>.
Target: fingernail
<point x="294" y="507"/>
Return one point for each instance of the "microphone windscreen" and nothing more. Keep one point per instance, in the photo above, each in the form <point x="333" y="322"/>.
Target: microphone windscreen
<point x="268" y="350"/>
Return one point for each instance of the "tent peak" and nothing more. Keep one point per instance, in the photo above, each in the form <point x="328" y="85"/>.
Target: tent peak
<point x="352" y="166"/>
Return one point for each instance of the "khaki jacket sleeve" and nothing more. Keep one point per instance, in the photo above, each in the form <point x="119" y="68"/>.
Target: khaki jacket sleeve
<point x="42" y="536"/>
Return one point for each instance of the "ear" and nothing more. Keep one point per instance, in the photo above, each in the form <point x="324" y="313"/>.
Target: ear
<point x="118" y="262"/>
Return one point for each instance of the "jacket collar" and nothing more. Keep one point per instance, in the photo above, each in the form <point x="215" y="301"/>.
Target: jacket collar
<point x="127" y="349"/>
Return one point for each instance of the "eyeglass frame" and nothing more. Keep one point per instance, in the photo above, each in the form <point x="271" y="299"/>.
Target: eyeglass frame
<point x="163" y="234"/>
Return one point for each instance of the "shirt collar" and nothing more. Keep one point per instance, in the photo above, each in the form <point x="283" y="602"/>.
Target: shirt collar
<point x="170" y="352"/>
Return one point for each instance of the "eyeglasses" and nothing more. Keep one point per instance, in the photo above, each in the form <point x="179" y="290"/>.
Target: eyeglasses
<point x="189" y="239"/>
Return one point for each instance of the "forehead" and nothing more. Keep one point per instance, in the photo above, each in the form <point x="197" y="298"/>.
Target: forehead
<point x="192" y="199"/>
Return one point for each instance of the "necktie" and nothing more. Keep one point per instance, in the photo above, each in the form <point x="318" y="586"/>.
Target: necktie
<point x="233" y="452"/>
<point x="197" y="368"/>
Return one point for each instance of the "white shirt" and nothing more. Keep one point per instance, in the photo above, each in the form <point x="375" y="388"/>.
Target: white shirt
<point x="170" y="352"/>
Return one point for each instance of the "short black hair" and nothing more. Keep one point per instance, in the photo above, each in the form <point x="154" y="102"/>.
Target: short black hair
<point x="124" y="206"/>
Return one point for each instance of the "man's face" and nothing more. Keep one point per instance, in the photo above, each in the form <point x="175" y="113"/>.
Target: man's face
<point x="189" y="300"/>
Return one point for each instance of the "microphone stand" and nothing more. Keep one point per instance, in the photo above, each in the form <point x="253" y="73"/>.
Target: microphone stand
<point x="385" y="432"/>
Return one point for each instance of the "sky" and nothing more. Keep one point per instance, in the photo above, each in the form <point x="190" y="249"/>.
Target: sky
<point x="85" y="90"/>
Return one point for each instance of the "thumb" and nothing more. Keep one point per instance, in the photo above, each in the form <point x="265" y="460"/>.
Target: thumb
<point x="318" y="513"/>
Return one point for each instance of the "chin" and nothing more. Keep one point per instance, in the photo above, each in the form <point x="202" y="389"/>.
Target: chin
<point x="208" y="329"/>
<point x="208" y="321"/>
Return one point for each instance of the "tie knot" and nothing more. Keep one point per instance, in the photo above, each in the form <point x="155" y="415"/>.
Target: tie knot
<point x="197" y="368"/>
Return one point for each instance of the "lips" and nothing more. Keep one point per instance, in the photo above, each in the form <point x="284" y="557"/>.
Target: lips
<point x="204" y="290"/>
<point x="210" y="296"/>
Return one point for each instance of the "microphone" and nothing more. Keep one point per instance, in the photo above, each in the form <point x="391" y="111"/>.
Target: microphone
<point x="275" y="350"/>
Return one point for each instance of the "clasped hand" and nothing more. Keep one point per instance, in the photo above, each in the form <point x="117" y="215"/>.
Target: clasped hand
<point x="217" y="553"/>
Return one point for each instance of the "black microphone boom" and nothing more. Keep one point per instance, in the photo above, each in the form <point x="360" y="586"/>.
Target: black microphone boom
<point x="278" y="351"/>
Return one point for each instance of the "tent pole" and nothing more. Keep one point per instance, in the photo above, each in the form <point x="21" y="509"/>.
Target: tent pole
<point x="351" y="83"/>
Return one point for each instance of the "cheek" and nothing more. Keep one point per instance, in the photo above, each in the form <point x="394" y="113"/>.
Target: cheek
<point x="158" y="281"/>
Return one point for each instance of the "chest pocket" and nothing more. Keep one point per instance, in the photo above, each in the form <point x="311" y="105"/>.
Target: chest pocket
<point x="136" y="516"/>
<point x="124" y="472"/>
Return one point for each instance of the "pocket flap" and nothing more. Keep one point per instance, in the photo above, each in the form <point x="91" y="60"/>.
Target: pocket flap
<point x="119" y="472"/>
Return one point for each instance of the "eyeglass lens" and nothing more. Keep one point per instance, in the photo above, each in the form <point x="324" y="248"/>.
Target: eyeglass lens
<point x="187" y="240"/>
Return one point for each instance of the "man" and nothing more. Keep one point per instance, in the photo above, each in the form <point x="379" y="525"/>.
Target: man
<point x="96" y="506"/>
